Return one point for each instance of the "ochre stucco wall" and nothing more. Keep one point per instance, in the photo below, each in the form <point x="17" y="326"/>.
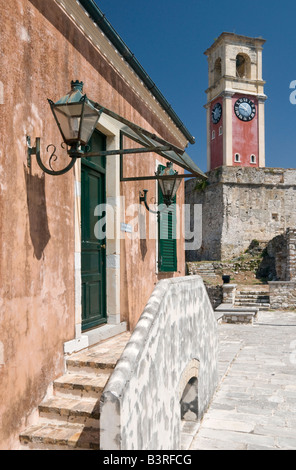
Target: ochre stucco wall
<point x="41" y="52"/>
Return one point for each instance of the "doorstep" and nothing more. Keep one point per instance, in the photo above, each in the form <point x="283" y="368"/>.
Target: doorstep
<point x="91" y="337"/>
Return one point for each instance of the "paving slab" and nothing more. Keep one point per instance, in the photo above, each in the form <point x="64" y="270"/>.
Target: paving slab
<point x="254" y="407"/>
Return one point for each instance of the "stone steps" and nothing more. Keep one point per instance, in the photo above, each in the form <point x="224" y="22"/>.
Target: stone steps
<point x="252" y="296"/>
<point x="206" y="273"/>
<point x="47" y="436"/>
<point x="249" y="304"/>
<point x="81" y="385"/>
<point x="71" y="410"/>
<point x="258" y="299"/>
<point x="260" y="306"/>
<point x="206" y="270"/>
<point x="70" y="418"/>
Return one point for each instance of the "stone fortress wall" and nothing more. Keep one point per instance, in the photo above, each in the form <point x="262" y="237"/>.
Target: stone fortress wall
<point x="240" y="205"/>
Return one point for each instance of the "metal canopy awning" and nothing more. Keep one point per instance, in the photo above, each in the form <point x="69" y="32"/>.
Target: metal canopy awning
<point x="149" y="143"/>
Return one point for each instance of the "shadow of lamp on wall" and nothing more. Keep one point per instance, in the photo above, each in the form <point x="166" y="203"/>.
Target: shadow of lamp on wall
<point x="38" y="221"/>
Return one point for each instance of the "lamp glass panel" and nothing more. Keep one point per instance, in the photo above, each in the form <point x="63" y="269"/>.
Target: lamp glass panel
<point x="166" y="186"/>
<point x="89" y="121"/>
<point x="69" y="119"/>
<point x="169" y="186"/>
<point x="177" y="182"/>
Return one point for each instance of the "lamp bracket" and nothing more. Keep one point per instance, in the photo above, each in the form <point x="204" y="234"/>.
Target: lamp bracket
<point x="74" y="153"/>
<point x="36" y="151"/>
<point x="143" y="198"/>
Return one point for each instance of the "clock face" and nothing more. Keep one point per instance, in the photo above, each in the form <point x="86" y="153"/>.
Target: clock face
<point x="216" y="113"/>
<point x="245" y="109"/>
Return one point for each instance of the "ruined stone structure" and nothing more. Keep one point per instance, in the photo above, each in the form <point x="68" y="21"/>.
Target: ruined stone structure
<point x="281" y="254"/>
<point x="240" y="205"/>
<point x="279" y="258"/>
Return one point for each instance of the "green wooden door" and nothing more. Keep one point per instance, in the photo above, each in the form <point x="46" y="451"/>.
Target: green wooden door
<point x="93" y="252"/>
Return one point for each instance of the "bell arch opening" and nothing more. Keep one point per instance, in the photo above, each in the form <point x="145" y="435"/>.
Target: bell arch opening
<point x="217" y="69"/>
<point x="243" y="66"/>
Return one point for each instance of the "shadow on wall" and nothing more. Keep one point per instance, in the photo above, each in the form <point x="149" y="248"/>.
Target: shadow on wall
<point x="36" y="202"/>
<point x="142" y="229"/>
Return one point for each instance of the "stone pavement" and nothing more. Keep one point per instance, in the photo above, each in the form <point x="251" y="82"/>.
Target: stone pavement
<point x="254" y="407"/>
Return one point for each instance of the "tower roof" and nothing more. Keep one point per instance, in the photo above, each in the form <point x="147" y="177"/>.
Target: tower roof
<point x="235" y="38"/>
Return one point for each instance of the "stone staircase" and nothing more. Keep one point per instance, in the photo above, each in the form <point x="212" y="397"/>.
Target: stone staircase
<point x="249" y="297"/>
<point x="205" y="270"/>
<point x="70" y="418"/>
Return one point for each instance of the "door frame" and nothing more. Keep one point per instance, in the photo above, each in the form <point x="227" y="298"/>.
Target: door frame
<point x="98" y="172"/>
<point x="114" y="325"/>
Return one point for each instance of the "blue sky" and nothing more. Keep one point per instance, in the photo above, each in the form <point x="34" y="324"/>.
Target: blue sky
<point x="169" y="37"/>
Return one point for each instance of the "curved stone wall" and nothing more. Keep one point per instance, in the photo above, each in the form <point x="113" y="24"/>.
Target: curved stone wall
<point x="140" y="406"/>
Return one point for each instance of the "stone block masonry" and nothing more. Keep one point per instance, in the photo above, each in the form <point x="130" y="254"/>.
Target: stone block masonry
<point x="279" y="258"/>
<point x="291" y="254"/>
<point x="240" y="205"/>
<point x="282" y="294"/>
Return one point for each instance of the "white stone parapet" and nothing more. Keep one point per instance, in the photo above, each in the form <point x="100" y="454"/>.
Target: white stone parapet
<point x="140" y="406"/>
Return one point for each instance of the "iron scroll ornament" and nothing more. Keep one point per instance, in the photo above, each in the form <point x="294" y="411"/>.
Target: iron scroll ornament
<point x="53" y="157"/>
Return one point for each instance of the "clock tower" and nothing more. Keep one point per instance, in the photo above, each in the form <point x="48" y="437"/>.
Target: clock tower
<point x="235" y="102"/>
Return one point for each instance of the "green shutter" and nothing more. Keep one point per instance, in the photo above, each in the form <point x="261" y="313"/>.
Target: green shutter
<point x="167" y="242"/>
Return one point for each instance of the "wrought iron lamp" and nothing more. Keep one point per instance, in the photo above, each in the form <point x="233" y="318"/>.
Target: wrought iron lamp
<point x="77" y="118"/>
<point x="169" y="183"/>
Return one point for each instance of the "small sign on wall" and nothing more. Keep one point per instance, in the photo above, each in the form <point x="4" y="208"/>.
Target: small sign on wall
<point x="126" y="228"/>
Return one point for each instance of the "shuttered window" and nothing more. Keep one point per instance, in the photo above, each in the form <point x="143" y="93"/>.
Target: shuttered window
<point x="167" y="242"/>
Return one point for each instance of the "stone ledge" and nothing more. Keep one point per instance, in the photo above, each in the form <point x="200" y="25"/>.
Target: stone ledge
<point x="228" y="313"/>
<point x="232" y="308"/>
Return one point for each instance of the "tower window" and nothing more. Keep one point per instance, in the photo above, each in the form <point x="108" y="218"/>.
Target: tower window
<point x="218" y="70"/>
<point x="237" y="157"/>
<point x="243" y="66"/>
<point x="213" y="135"/>
<point x="253" y="159"/>
<point x="220" y="130"/>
